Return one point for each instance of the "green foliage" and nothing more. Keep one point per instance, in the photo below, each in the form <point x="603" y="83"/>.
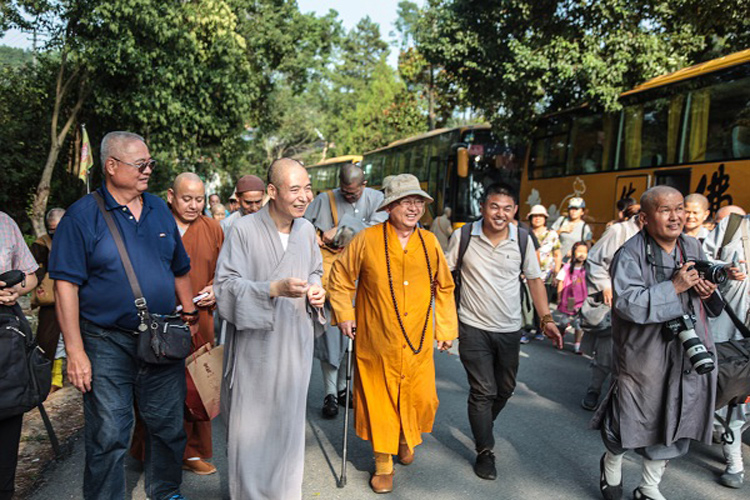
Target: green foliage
<point x="12" y="56"/>
<point x="519" y="58"/>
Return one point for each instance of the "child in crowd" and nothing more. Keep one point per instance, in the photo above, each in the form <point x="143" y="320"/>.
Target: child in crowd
<point x="571" y="292"/>
<point x="218" y="212"/>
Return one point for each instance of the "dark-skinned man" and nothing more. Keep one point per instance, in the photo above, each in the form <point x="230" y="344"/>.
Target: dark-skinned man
<point x="249" y="192"/>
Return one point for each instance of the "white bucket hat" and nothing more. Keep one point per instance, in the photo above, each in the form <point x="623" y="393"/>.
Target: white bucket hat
<point x="401" y="186"/>
<point x="538" y="210"/>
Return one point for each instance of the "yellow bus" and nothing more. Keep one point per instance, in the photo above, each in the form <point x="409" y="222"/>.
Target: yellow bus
<point x="689" y="129"/>
<point x="325" y="175"/>
<point x="454" y="165"/>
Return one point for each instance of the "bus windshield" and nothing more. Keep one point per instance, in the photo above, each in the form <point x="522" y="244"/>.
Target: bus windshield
<point x="490" y="161"/>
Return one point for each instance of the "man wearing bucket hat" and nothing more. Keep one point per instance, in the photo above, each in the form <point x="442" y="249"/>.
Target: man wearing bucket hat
<point x="404" y="293"/>
<point x="572" y="228"/>
<point x="550" y="256"/>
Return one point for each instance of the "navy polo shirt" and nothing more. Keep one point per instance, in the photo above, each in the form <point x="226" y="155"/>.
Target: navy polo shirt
<point x="84" y="253"/>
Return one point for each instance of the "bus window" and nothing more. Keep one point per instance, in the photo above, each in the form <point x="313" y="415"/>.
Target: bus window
<point x="549" y="149"/>
<point x="650" y="134"/>
<point x="719" y="122"/>
<point x="588" y="144"/>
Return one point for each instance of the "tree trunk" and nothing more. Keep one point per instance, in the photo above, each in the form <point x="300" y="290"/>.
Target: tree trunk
<point x="57" y="139"/>
<point x="431" y="101"/>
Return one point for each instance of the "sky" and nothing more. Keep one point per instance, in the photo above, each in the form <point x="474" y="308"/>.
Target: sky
<point x="350" y="12"/>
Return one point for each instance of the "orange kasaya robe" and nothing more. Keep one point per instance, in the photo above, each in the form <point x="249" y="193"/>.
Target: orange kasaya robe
<point x="202" y="241"/>
<point x="394" y="389"/>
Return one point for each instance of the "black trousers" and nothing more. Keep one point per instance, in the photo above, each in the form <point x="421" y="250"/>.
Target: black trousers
<point x="10" y="437"/>
<point x="491" y="363"/>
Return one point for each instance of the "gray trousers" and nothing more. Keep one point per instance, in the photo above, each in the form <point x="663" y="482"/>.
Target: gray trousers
<point x="598" y="345"/>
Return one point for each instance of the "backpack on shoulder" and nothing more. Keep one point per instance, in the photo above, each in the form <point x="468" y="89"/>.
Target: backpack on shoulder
<point x="26" y="373"/>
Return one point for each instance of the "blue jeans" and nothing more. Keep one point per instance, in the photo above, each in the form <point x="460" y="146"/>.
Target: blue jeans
<point x="159" y="390"/>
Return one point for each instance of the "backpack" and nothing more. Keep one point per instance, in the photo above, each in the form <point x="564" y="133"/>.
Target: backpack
<point x="523" y="241"/>
<point x="26" y="372"/>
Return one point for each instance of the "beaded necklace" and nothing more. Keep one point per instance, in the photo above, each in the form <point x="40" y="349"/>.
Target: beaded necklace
<point x="393" y="293"/>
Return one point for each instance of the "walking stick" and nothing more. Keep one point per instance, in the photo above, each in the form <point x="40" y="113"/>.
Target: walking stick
<point x="342" y="480"/>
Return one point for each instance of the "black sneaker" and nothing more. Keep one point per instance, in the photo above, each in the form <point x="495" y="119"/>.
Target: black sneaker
<point x="330" y="406"/>
<point x="591" y="401"/>
<point x="485" y="465"/>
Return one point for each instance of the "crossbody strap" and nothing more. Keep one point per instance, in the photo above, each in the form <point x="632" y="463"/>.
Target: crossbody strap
<point x="334" y="208"/>
<point x="140" y="300"/>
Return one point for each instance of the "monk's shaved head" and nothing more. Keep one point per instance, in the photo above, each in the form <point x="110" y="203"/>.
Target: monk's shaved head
<point x="279" y="170"/>
<point x="724" y="212"/>
<point x="697" y="198"/>
<point x="183" y="179"/>
<point x="351" y="174"/>
<point x="651" y="199"/>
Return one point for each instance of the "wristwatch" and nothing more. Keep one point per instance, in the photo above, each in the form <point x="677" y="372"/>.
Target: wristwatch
<point x="547" y="318"/>
<point x="189" y="317"/>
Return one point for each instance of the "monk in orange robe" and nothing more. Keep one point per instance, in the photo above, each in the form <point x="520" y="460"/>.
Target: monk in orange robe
<point x="202" y="238"/>
<point x="404" y="302"/>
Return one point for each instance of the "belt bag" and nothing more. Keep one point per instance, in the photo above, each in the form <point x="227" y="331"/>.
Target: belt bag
<point x="163" y="339"/>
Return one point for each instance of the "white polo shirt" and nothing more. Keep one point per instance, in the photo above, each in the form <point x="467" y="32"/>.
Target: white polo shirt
<point x="490" y="290"/>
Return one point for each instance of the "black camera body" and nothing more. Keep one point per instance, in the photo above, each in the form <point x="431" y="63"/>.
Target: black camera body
<point x="12" y="278"/>
<point x="715" y="273"/>
<point x="683" y="328"/>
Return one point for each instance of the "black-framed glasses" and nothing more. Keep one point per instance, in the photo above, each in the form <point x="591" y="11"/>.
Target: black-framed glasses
<point x="141" y="166"/>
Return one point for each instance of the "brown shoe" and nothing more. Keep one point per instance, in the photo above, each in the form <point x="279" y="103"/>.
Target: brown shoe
<point x="405" y="455"/>
<point x="382" y="483"/>
<point x="200" y="467"/>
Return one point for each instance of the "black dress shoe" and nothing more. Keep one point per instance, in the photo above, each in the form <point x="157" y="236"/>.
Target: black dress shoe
<point x="609" y="492"/>
<point x="342" y="398"/>
<point x="330" y="406"/>
<point x="485" y="466"/>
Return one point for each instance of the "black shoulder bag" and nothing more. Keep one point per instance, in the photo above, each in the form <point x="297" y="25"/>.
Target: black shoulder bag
<point x="163" y="339"/>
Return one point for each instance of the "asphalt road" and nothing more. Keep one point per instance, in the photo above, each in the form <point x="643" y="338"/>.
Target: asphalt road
<point x="544" y="448"/>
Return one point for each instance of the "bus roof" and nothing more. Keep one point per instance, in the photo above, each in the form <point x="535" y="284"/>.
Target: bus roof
<point x="431" y="133"/>
<point x="338" y="159"/>
<point x="693" y="71"/>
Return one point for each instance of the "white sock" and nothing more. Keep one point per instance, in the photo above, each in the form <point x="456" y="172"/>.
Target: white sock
<point x="191" y="459"/>
<point x="653" y="470"/>
<point x="613" y="468"/>
<point x="733" y="456"/>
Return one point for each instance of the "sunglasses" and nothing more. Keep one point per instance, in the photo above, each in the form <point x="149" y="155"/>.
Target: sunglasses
<point x="141" y="166"/>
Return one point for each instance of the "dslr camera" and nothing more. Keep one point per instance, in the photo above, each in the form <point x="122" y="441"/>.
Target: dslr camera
<point x="683" y="328"/>
<point x="715" y="273"/>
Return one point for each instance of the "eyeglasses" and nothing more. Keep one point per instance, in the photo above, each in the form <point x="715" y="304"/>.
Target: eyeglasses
<point x="141" y="166"/>
<point x="416" y="202"/>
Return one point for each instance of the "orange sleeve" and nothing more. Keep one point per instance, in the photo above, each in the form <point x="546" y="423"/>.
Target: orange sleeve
<point x="342" y="284"/>
<point x="445" y="302"/>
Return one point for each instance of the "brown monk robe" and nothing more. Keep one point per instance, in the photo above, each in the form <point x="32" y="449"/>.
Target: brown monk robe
<point x="202" y="237"/>
<point x="392" y="268"/>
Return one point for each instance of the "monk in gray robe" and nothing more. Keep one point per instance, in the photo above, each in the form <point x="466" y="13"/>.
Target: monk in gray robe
<point x="338" y="215"/>
<point x="658" y="401"/>
<point x="267" y="287"/>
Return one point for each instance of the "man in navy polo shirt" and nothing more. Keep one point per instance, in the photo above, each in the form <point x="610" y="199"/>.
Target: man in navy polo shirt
<point x="98" y="318"/>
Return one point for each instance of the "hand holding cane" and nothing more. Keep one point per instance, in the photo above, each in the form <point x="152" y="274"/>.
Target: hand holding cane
<point x="342" y="480"/>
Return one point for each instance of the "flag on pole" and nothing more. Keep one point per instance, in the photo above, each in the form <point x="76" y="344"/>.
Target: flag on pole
<point x="86" y="160"/>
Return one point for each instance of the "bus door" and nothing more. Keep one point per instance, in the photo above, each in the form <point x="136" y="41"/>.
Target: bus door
<point x="630" y="186"/>
<point x="678" y="179"/>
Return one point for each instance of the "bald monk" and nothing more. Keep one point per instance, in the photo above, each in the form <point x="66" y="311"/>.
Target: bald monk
<point x="202" y="237"/>
<point x="268" y="289"/>
<point x="696" y="213"/>
<point x="725" y="212"/>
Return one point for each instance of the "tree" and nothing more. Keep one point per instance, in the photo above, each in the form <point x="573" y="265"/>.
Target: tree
<point x="519" y="58"/>
<point x="174" y="71"/>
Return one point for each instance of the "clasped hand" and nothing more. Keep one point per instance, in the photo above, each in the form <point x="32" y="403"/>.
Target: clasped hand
<point x="688" y="277"/>
<point x="296" y="288"/>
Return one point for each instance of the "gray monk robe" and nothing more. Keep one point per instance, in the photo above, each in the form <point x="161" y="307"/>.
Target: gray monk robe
<point x="656" y="397"/>
<point x="268" y="355"/>
<point x="331" y="346"/>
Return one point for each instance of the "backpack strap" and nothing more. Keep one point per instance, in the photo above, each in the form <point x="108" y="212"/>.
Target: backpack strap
<point x="523" y="243"/>
<point x="334" y="208"/>
<point x="732" y="226"/>
<point x="463" y="244"/>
